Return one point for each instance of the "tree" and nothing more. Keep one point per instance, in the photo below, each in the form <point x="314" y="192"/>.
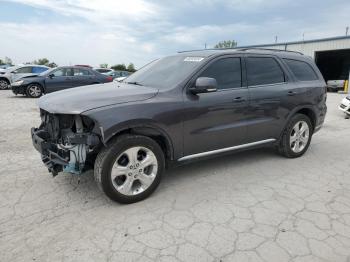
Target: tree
<point x="120" y="67"/>
<point x="226" y="44"/>
<point x="7" y="61"/>
<point x="1" y="62"/>
<point x="44" y="61"/>
<point x="131" y="67"/>
<point x="52" y="64"/>
<point x="41" y="61"/>
<point x="104" y="65"/>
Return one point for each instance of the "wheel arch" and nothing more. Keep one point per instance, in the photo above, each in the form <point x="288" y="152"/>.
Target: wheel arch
<point x="4" y="78"/>
<point x="310" y="113"/>
<point x="305" y="110"/>
<point x="148" y="129"/>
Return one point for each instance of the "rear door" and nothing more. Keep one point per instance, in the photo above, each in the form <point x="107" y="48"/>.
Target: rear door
<point x="216" y="120"/>
<point x="273" y="94"/>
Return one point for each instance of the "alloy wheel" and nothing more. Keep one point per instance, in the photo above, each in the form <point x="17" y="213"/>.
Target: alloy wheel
<point x="3" y="84"/>
<point x="34" y="91"/>
<point x="299" y="136"/>
<point x="134" y="171"/>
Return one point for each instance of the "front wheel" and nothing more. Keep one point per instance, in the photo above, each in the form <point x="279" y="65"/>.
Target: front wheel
<point x="296" y="137"/>
<point x="129" y="169"/>
<point x="34" y="90"/>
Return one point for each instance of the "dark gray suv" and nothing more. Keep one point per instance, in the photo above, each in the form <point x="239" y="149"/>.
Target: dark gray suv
<point x="179" y="108"/>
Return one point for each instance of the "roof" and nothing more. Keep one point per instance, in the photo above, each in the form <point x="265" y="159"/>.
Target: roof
<point x="300" y="42"/>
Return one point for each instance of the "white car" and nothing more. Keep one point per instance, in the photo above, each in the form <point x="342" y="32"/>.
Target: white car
<point x="14" y="73"/>
<point x="335" y="85"/>
<point x="345" y="105"/>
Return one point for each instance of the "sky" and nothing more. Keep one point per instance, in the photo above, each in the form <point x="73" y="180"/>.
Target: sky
<point x="93" y="32"/>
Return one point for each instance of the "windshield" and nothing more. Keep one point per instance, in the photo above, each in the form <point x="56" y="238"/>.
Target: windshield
<point x="166" y="72"/>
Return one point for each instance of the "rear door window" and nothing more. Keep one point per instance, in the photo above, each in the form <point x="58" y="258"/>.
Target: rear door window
<point x="302" y="70"/>
<point x="226" y="71"/>
<point x="264" y="71"/>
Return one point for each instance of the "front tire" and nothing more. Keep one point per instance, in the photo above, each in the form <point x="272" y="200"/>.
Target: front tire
<point x="34" y="90"/>
<point x="296" y="137"/>
<point x="129" y="169"/>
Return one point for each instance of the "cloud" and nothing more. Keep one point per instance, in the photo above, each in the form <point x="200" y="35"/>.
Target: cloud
<point x="93" y="32"/>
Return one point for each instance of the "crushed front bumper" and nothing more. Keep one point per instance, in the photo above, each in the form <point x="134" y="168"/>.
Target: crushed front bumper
<point x="54" y="158"/>
<point x="19" y="89"/>
<point x="58" y="159"/>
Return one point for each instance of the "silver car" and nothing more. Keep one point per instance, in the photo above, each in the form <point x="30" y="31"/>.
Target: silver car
<point x="14" y="73"/>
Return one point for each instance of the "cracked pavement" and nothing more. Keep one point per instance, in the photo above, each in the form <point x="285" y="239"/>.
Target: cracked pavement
<point x="252" y="206"/>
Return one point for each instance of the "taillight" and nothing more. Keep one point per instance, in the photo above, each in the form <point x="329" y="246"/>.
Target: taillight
<point x="109" y="79"/>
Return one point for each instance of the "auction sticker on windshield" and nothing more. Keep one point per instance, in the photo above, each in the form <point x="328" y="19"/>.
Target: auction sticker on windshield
<point x="193" y="59"/>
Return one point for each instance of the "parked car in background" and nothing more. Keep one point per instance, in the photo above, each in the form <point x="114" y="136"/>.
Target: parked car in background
<point x="12" y="74"/>
<point x="345" y="105"/>
<point x="119" y="74"/>
<point x="84" y="66"/>
<point x="57" y="79"/>
<point x="104" y="71"/>
<point x="335" y="85"/>
<point x="180" y="108"/>
<point x="4" y="67"/>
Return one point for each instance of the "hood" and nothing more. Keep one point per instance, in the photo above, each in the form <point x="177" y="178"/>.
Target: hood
<point x="84" y="98"/>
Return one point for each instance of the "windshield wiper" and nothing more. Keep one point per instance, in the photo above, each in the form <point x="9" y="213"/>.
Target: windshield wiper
<point x="134" y="83"/>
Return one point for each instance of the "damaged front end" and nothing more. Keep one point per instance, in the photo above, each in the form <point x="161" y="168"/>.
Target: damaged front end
<point x="65" y="141"/>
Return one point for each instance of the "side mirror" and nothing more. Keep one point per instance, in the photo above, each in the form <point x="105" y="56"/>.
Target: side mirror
<point x="204" y="85"/>
<point x="51" y="76"/>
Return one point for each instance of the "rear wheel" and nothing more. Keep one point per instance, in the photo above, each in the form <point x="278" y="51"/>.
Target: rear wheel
<point x="4" y="84"/>
<point x="34" y="90"/>
<point x="297" y="136"/>
<point x="130" y="168"/>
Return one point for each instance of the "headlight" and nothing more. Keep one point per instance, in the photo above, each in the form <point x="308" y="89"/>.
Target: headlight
<point x="18" y="83"/>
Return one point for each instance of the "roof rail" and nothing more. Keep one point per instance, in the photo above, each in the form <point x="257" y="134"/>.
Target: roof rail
<point x="244" y="49"/>
<point x="267" y="49"/>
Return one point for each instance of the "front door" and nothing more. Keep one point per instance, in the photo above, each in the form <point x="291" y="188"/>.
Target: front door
<point x="216" y="120"/>
<point x="59" y="79"/>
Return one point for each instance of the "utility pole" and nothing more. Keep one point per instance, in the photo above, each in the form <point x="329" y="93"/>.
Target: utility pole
<point x="347" y="31"/>
<point x="276" y="38"/>
<point x="205" y="45"/>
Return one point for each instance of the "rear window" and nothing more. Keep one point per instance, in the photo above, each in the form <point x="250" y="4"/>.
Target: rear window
<point x="302" y="70"/>
<point x="263" y="71"/>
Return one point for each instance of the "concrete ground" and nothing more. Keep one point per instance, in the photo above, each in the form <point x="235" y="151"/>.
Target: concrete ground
<point x="252" y="206"/>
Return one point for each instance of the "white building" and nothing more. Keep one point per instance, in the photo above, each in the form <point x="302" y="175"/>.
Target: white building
<point x="332" y="55"/>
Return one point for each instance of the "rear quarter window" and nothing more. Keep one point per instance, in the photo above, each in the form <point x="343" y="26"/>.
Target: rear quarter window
<point x="302" y="70"/>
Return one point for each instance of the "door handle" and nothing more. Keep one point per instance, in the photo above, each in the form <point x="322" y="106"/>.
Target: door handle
<point x="238" y="99"/>
<point x="291" y="93"/>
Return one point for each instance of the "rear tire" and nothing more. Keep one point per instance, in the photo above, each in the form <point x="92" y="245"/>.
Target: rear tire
<point x="296" y="137"/>
<point x="4" y="84"/>
<point x="129" y="169"/>
<point x="34" y="90"/>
